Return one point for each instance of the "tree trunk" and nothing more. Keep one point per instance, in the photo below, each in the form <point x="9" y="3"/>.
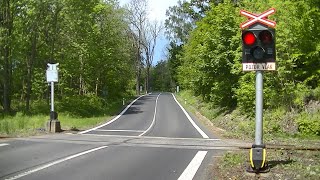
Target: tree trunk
<point x="148" y="79"/>
<point x="7" y="25"/>
<point x="138" y="81"/>
<point x="30" y="63"/>
<point x="97" y="86"/>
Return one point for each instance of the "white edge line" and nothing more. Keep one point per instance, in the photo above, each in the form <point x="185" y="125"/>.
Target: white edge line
<point x="114" y="119"/>
<point x="203" y="134"/>
<point x="55" y="162"/>
<point x="154" y="117"/>
<point x="193" y="166"/>
<point x="4" y="144"/>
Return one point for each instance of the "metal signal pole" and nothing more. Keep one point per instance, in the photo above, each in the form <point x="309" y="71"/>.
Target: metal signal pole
<point x="259" y="108"/>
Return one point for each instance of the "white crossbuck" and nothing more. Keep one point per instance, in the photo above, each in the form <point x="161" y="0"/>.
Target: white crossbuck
<point x="262" y="18"/>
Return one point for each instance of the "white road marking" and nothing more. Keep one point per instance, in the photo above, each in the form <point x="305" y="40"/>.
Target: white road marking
<point x="114" y="119"/>
<point x="54" y="163"/>
<point x="151" y="137"/>
<point x="4" y="144"/>
<point x="117" y="130"/>
<point x="193" y="166"/>
<point x="154" y="117"/>
<point x="203" y="134"/>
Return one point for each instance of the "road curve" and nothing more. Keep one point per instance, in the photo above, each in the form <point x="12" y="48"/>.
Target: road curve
<point x="97" y="154"/>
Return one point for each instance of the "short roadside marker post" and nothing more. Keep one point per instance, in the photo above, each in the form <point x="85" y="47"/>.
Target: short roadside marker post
<point x="53" y="125"/>
<point x="258" y="39"/>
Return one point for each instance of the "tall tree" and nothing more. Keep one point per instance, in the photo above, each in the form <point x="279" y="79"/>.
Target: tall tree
<point x="138" y="18"/>
<point x="6" y="31"/>
<point x="182" y="18"/>
<point x="145" y="33"/>
<point x="152" y="32"/>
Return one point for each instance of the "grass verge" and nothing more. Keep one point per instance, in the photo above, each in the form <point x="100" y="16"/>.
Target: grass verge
<point x="280" y="128"/>
<point x="283" y="164"/>
<point x="23" y="125"/>
<point x="75" y="117"/>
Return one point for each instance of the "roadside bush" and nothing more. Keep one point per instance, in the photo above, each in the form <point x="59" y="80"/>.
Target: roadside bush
<point x="309" y="124"/>
<point x="316" y="94"/>
<point x="301" y="96"/>
<point x="246" y="94"/>
<point x="281" y="122"/>
<point x="272" y="121"/>
<point x="83" y="106"/>
<point x="40" y="107"/>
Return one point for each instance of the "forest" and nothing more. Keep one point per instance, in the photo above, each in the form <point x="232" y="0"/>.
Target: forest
<point x="205" y="56"/>
<point x="104" y="53"/>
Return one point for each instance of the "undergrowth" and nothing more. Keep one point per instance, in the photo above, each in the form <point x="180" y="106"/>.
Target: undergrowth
<point x="278" y="122"/>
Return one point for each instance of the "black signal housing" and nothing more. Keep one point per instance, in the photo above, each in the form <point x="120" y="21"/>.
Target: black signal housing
<point x="258" y="45"/>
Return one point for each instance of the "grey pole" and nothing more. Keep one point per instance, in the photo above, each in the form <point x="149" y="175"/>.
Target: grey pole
<point x="52" y="96"/>
<point x="259" y="108"/>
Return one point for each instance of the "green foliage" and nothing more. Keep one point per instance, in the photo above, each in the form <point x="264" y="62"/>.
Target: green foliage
<point x="209" y="63"/>
<point x="161" y="78"/>
<point x="246" y="94"/>
<point x="88" y="39"/>
<point x="182" y="18"/>
<point x="83" y="106"/>
<point x="309" y="124"/>
<point x="209" y="56"/>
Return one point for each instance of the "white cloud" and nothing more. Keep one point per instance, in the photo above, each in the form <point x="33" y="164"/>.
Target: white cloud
<point x="157" y="8"/>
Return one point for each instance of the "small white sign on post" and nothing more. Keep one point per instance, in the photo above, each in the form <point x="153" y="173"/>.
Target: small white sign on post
<point x="52" y="77"/>
<point x="52" y="73"/>
<point x="268" y="66"/>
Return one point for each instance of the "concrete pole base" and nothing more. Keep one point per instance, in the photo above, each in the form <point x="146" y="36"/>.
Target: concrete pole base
<point x="53" y="126"/>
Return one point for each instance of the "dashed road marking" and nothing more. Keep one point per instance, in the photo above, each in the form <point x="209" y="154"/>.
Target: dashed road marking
<point x="193" y="166"/>
<point x="54" y="163"/>
<point x="154" y="117"/>
<point x="4" y="144"/>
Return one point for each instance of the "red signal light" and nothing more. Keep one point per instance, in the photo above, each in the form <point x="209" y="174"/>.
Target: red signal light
<point x="265" y="37"/>
<point x="248" y="38"/>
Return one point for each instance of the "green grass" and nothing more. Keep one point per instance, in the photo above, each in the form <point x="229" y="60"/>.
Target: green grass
<point x="74" y="123"/>
<point x="23" y="125"/>
<point x="73" y="114"/>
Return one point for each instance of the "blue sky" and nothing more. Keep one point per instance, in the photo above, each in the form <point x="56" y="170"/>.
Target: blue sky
<point x="157" y="11"/>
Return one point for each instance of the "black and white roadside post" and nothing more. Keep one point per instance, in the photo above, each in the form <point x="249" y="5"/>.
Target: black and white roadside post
<point x="53" y="125"/>
<point x="259" y="55"/>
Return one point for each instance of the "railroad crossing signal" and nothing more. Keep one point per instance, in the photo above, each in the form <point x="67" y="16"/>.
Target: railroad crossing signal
<point x="258" y="42"/>
<point x="258" y="54"/>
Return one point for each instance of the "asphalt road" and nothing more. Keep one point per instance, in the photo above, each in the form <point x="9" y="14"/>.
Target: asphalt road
<point x="153" y="138"/>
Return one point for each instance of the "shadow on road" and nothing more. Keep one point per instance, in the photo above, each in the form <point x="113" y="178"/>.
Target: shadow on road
<point x="133" y="110"/>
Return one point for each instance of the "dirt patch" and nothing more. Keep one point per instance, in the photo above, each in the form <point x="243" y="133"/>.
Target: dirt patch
<point x="283" y="165"/>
